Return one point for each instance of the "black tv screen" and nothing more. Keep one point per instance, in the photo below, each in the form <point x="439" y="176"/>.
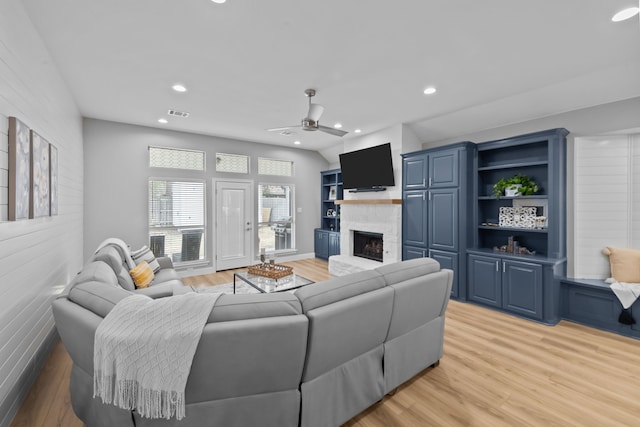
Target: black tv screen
<point x="367" y="169"/>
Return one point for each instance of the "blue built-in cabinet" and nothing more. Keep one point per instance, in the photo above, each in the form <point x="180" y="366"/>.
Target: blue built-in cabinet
<point x="436" y="196"/>
<point x="526" y="285"/>
<point x="327" y="236"/>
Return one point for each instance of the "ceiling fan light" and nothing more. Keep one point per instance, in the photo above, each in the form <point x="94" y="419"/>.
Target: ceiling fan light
<point x="430" y="90"/>
<point x="179" y="87"/>
<point x="625" y="14"/>
<point x="315" y="111"/>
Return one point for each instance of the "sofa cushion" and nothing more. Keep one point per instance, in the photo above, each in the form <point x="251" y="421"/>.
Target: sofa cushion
<point x="254" y="306"/>
<point x="145" y="254"/>
<point x="406" y="270"/>
<point x="96" y="271"/>
<point x="97" y="297"/>
<point x="339" y="288"/>
<point x="166" y="275"/>
<point x="113" y="259"/>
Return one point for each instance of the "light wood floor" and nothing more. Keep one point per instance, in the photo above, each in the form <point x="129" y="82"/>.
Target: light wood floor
<point x="497" y="370"/>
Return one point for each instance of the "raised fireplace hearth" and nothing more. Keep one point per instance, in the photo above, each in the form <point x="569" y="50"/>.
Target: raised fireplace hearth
<point x="368" y="245"/>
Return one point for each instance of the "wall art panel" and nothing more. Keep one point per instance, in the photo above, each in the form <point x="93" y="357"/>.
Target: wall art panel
<point x="39" y="177"/>
<point x="19" y="170"/>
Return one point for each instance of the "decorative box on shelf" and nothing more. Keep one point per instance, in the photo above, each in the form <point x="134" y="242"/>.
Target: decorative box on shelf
<point x="518" y="217"/>
<point x="272" y="271"/>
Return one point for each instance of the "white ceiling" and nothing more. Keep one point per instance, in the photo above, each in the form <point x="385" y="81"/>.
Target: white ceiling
<point x="247" y="63"/>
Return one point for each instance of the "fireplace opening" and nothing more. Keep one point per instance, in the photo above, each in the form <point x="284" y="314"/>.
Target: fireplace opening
<point x="367" y="245"/>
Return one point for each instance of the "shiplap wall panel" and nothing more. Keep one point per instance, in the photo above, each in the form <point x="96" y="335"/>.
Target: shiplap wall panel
<point x="603" y="202"/>
<point x="37" y="257"/>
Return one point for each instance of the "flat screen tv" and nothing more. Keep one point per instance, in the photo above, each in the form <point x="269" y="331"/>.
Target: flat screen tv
<point x="370" y="169"/>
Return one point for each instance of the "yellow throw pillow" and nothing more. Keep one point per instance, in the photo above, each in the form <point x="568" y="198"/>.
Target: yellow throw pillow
<point x="142" y="275"/>
<point x="625" y="264"/>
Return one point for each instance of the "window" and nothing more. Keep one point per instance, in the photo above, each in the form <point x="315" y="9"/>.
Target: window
<point x="175" y="158"/>
<point x="176" y="219"/>
<point x="232" y="163"/>
<point x="275" y="217"/>
<point x="275" y="167"/>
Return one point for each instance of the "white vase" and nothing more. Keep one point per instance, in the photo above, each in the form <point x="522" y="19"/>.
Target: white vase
<point x="512" y="190"/>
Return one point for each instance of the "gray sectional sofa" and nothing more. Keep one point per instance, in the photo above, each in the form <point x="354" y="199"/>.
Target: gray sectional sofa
<point x="316" y="357"/>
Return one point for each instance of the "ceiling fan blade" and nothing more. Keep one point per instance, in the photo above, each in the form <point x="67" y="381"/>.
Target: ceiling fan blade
<point x="315" y="111"/>
<point x="332" y="131"/>
<point x="282" y="128"/>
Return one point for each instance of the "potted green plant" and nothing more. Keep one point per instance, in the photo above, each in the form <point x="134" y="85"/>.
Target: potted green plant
<point x="517" y="185"/>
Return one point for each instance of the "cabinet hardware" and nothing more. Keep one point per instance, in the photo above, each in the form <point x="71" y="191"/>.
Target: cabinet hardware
<point x="429" y="181"/>
<point x="504" y="264"/>
<point x="497" y="267"/>
<point x="429" y="195"/>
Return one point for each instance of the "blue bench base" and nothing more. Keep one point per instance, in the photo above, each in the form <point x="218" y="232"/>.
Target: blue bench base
<point x="591" y="302"/>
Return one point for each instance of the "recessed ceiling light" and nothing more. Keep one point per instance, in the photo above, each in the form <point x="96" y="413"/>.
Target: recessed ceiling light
<point x="625" y="14"/>
<point x="163" y="121"/>
<point x="179" y="88"/>
<point x="296" y="142"/>
<point x="430" y="90"/>
<point x="337" y="125"/>
<point x="218" y="1"/>
<point x="358" y="130"/>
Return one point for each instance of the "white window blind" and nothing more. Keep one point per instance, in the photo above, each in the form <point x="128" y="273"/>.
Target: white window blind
<point x="275" y="167"/>
<point x="175" y="158"/>
<point x="177" y="219"/>
<point x="235" y="163"/>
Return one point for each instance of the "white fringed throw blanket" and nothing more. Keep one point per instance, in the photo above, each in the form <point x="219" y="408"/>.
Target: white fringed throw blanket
<point x="122" y="247"/>
<point x="627" y="293"/>
<point x="143" y="351"/>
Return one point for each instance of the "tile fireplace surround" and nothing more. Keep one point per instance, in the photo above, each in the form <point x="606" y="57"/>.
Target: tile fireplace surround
<point x="384" y="217"/>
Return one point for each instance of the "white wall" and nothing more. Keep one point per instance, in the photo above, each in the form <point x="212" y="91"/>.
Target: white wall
<point x="117" y="171"/>
<point x="37" y="256"/>
<point x="606" y="200"/>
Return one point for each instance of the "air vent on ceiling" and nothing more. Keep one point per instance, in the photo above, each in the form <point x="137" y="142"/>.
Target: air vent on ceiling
<point x="178" y="113"/>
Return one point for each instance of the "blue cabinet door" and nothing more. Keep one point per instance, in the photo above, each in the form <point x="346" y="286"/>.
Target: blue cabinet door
<point x="415" y="171"/>
<point x="415" y="219"/>
<point x="522" y="288"/>
<point x="448" y="260"/>
<point x="321" y="244"/>
<point x="443" y="169"/>
<point x="484" y="277"/>
<point x="334" y="243"/>
<point x="409" y="252"/>
<point x="443" y="213"/>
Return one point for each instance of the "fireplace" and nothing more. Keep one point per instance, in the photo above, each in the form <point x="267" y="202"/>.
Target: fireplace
<point x="367" y="245"/>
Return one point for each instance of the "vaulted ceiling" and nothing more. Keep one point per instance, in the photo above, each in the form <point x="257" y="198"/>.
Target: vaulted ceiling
<point x="247" y="63"/>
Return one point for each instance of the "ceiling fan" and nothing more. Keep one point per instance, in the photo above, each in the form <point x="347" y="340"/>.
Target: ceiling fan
<point x="311" y="121"/>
